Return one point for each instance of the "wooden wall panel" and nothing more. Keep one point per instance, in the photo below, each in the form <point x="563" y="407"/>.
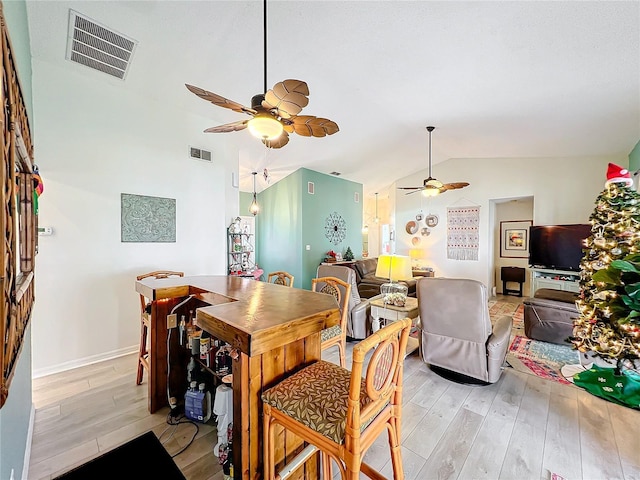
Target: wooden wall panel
<point x="17" y="217"/>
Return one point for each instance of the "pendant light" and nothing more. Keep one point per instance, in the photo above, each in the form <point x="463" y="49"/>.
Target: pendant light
<point x="376" y="219"/>
<point x="254" y="208"/>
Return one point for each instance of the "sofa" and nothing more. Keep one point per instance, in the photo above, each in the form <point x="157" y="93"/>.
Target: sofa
<point x="359" y="319"/>
<point x="549" y="315"/>
<point x="367" y="282"/>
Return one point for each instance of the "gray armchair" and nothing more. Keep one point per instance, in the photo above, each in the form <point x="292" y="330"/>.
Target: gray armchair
<point x="456" y="331"/>
<point x="359" y="321"/>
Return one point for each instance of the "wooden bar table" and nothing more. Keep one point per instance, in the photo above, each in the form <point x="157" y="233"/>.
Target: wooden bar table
<point x="276" y="331"/>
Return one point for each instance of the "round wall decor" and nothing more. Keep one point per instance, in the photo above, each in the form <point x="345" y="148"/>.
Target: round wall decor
<point x="431" y="220"/>
<point x="411" y="227"/>
<point x="335" y="228"/>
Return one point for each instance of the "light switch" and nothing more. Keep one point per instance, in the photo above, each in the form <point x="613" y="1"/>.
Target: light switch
<point x="308" y="247"/>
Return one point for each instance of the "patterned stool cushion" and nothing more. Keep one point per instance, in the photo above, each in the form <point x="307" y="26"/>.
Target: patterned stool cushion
<point x="330" y="332"/>
<point x="317" y="397"/>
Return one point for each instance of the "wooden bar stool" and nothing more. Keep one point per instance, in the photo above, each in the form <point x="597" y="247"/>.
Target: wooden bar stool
<point x="336" y="335"/>
<point x="342" y="425"/>
<point x="280" y="278"/>
<point x="145" y="322"/>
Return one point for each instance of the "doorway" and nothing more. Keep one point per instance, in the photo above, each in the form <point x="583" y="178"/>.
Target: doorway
<point x="517" y="213"/>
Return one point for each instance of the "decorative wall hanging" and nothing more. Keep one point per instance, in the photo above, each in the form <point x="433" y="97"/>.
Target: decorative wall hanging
<point x="147" y="219"/>
<point x="462" y="233"/>
<point x="411" y="227"/>
<point x="514" y="239"/>
<point x="335" y="228"/>
<point x="431" y="220"/>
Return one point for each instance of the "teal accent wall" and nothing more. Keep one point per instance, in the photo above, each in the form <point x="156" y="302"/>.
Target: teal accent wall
<point x="634" y="158"/>
<point x="279" y="228"/>
<point x="290" y="219"/>
<point x="16" y="412"/>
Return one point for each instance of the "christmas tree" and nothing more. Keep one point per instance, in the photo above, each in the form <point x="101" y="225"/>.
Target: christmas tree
<point x="348" y="255"/>
<point x="609" y="302"/>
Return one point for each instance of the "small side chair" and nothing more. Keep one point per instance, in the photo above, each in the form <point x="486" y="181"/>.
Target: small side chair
<point x="145" y="322"/>
<point x="336" y="335"/>
<point x="280" y="278"/>
<point x="338" y="412"/>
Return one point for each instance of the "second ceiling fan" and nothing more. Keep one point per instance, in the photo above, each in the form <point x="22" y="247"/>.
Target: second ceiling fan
<point x="275" y="112"/>
<point x="431" y="186"/>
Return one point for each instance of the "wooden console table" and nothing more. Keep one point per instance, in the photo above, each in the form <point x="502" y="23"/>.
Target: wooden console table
<point x="276" y="331"/>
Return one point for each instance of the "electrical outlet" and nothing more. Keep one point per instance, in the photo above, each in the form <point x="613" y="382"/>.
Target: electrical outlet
<point x="172" y="320"/>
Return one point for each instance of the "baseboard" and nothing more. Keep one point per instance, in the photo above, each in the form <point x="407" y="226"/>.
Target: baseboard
<point x="82" y="362"/>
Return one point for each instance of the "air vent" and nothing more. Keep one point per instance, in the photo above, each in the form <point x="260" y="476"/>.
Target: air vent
<point x="310" y="188"/>
<point x="200" y="154"/>
<point x="95" y="46"/>
<point x="337" y="174"/>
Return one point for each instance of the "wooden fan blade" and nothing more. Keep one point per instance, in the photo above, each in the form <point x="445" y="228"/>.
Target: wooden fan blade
<point x="410" y="188"/>
<point x="279" y="142"/>
<point x="289" y="97"/>
<point x="310" y="126"/>
<point x="454" y="185"/>
<point x="228" y="127"/>
<point x="220" y="101"/>
<point x="415" y="191"/>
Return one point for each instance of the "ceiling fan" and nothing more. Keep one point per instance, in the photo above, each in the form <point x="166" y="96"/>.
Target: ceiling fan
<point x="275" y="112"/>
<point x="431" y="186"/>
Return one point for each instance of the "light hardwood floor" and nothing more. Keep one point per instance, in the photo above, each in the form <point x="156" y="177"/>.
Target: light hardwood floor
<point x="522" y="427"/>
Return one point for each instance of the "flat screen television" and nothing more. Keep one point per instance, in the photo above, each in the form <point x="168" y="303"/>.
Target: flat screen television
<point x="557" y="247"/>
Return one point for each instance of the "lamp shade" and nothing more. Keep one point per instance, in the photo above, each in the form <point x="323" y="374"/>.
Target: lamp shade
<point x="394" y="267"/>
<point x="264" y="126"/>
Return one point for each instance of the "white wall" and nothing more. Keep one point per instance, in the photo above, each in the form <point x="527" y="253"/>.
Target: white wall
<point x="93" y="141"/>
<point x="564" y="191"/>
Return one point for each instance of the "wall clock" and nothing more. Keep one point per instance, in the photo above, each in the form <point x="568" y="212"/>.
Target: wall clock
<point x="335" y="228"/>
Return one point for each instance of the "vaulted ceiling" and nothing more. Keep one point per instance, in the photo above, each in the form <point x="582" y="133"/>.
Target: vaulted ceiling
<point x="497" y="79"/>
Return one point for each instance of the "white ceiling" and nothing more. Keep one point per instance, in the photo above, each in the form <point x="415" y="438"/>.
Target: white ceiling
<point x="497" y="79"/>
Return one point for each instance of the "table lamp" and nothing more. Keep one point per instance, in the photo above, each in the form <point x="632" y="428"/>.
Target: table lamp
<point x="394" y="267"/>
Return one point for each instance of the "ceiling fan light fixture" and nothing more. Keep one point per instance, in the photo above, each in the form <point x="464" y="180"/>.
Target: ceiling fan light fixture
<point x="265" y="127"/>
<point x="430" y="192"/>
<point x="433" y="183"/>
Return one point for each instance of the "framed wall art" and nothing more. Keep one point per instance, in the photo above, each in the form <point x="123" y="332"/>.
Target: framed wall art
<point x="147" y="219"/>
<point x="514" y="239"/>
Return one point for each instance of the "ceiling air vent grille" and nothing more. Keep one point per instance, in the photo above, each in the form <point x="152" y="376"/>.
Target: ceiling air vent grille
<point x="97" y="47"/>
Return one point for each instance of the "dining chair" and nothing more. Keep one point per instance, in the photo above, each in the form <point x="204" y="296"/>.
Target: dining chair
<point x="145" y="322"/>
<point x="338" y="412"/>
<point x="280" y="278"/>
<point x="336" y="335"/>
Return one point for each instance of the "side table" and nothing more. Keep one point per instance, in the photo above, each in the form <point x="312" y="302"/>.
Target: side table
<point x="392" y="313"/>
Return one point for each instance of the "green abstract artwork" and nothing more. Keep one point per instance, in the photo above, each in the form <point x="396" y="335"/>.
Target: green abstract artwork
<point x="147" y="219"/>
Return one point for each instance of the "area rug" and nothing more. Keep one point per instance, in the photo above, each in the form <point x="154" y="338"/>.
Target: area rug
<point x="142" y="457"/>
<point x="543" y="359"/>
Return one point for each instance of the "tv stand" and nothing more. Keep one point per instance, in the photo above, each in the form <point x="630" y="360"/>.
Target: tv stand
<point x="554" y="279"/>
